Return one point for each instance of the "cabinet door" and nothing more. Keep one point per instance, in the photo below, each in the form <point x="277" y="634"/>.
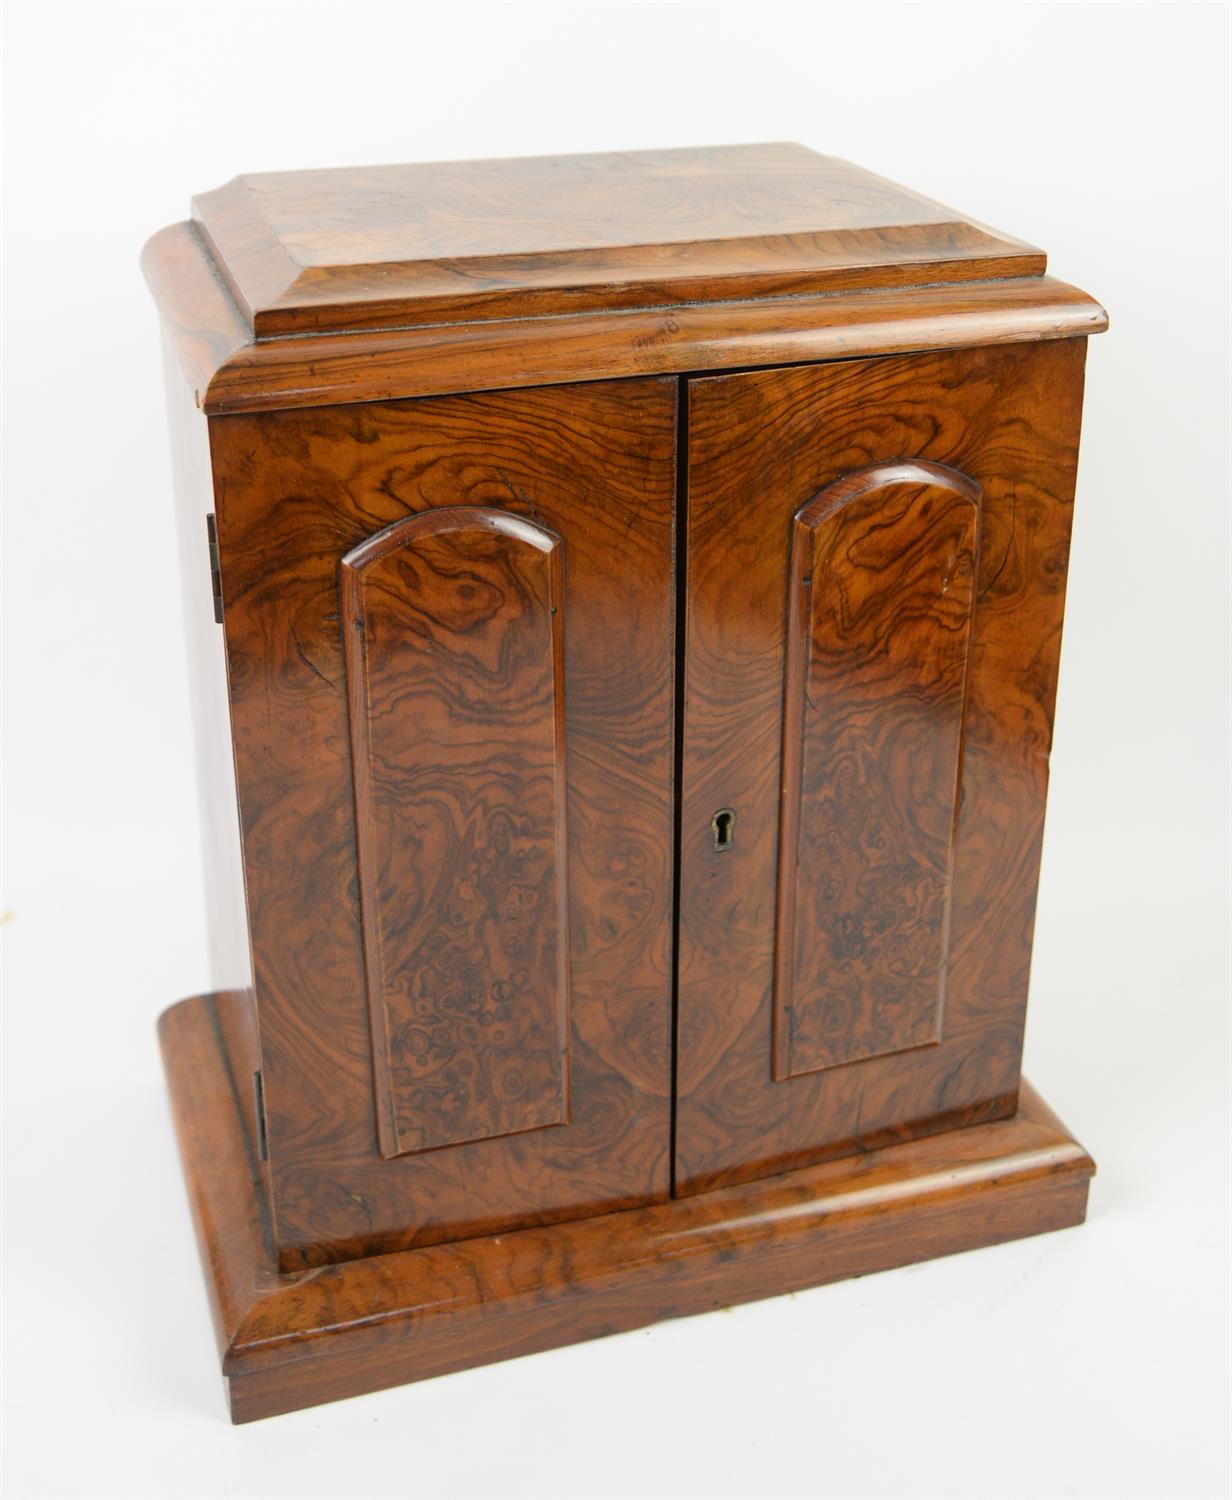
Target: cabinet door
<point x="876" y="569"/>
<point x="449" y="627"/>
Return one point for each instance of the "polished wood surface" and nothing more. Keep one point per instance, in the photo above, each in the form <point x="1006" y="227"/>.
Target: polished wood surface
<point x="761" y="445"/>
<point x="879" y="596"/>
<point x="379" y="247"/>
<point x="295" y="493"/>
<point x="289" y="1341"/>
<point x="454" y="643"/>
<point x="231" y="372"/>
<point x="641" y="582"/>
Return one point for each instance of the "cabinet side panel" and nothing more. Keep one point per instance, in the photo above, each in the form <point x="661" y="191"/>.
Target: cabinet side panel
<point x="453" y="630"/>
<point x="226" y="913"/>
<point x="879" y="625"/>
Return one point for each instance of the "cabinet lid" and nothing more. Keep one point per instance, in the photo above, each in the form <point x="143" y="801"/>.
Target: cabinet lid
<point x="405" y="246"/>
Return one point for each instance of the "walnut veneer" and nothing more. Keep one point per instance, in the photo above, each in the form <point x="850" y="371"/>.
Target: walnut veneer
<point x="624" y="751"/>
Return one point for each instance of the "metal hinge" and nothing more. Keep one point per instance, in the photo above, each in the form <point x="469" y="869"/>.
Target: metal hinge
<point x="211" y="530"/>
<point x="258" y="1102"/>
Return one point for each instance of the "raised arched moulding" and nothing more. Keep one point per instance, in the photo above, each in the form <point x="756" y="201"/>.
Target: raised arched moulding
<point x="454" y="626"/>
<point x="880" y="602"/>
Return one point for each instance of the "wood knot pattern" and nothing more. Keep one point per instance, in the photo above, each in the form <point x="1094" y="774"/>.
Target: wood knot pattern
<point x="882" y="575"/>
<point x="455" y="675"/>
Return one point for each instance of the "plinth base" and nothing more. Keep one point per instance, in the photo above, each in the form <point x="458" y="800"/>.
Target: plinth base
<point x="294" y="1341"/>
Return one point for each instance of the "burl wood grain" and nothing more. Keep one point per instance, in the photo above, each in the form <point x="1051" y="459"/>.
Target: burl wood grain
<point x="231" y="372"/>
<point x="371" y="247"/>
<point x="454" y="638"/>
<point x="289" y="1341"/>
<point x="295" y="493"/>
<point x="761" y="445"/>
<point x="464" y="811"/>
<point x="880" y="590"/>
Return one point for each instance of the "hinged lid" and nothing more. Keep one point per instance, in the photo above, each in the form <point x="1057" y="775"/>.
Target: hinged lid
<point x="402" y="246"/>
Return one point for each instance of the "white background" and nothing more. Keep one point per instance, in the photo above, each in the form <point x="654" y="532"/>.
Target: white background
<point x="1090" y="1363"/>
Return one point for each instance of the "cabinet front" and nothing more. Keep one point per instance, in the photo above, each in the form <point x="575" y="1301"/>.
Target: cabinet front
<point x="449" y="629"/>
<point x="876" y="567"/>
<point x="451" y="636"/>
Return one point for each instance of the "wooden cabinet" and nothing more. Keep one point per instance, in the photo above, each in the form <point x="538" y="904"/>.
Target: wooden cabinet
<point x="624" y="750"/>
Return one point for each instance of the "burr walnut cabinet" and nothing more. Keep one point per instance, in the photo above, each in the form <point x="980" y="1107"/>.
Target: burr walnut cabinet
<point x="624" y="600"/>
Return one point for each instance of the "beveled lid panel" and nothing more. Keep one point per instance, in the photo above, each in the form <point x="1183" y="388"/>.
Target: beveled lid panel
<point x="378" y="247"/>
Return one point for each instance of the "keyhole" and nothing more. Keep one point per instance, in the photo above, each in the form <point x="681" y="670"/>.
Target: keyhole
<point x="722" y="826"/>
